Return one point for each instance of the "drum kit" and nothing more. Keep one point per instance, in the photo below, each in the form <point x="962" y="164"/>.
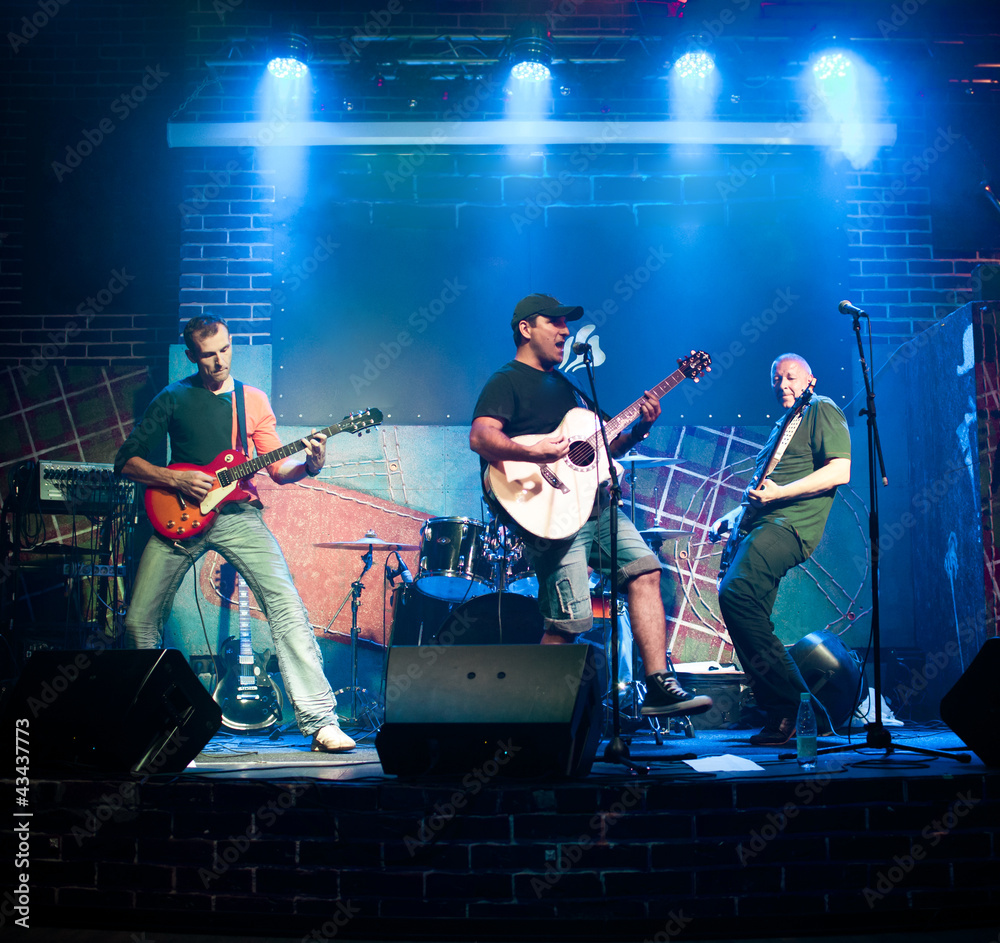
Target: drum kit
<point x="475" y="585"/>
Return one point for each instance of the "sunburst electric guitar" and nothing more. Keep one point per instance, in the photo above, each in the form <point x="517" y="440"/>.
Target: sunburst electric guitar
<point x="747" y="514"/>
<point x="178" y="517"/>
<point x="245" y="692"/>
<point x="554" y="500"/>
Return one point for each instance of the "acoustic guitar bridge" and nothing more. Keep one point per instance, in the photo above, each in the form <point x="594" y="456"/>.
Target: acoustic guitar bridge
<point x="552" y="479"/>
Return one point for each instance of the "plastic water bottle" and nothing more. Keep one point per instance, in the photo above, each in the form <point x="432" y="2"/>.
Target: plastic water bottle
<point x="805" y="733"/>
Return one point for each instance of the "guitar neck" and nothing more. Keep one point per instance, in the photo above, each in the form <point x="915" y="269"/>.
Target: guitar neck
<point x="243" y="594"/>
<point x="254" y="465"/>
<point x="630" y="413"/>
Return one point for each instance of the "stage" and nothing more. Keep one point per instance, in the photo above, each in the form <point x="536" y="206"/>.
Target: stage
<point x="259" y="836"/>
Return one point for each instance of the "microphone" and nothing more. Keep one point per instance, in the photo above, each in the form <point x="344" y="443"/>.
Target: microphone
<point x="845" y="307"/>
<point x="581" y="348"/>
<point x="403" y="571"/>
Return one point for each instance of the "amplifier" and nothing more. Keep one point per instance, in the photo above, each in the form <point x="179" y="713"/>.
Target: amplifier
<point x="81" y="487"/>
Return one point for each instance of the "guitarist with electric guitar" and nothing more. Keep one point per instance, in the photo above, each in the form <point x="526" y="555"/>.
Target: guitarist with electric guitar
<point x="206" y="500"/>
<point x="776" y="527"/>
<point x="543" y="465"/>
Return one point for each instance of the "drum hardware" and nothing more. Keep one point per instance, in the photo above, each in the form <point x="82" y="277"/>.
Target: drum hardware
<point x="516" y="573"/>
<point x="631" y="687"/>
<point x="369" y="542"/>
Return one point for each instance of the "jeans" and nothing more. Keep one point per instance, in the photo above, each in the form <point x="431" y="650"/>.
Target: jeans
<point x="746" y="598"/>
<point x="561" y="568"/>
<point x="244" y="540"/>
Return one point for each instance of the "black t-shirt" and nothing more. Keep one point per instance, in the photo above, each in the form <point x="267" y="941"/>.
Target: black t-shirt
<point x="528" y="401"/>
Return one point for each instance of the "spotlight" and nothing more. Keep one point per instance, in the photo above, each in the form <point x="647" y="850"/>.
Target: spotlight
<point x="832" y="66"/>
<point x="530" y="51"/>
<point x="288" y="55"/>
<point x="694" y="65"/>
<point x="694" y="80"/>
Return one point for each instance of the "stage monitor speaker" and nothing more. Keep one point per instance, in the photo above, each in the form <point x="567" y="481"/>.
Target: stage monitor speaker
<point x="112" y="712"/>
<point x="831" y="672"/>
<point x="972" y="707"/>
<point x="493" y="710"/>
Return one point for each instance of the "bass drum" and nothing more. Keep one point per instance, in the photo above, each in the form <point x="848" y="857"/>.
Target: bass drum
<point x="493" y="619"/>
<point x="416" y="617"/>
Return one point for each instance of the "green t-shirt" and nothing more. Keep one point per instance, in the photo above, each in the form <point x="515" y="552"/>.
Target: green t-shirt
<point x="199" y="422"/>
<point x="821" y="436"/>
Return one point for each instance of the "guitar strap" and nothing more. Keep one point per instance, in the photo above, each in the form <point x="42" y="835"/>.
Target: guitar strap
<point x="785" y="439"/>
<point x="241" y="415"/>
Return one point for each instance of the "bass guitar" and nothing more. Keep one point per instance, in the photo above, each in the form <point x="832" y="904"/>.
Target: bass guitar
<point x="179" y="518"/>
<point x="245" y="692"/>
<point x="747" y="515"/>
<point x="555" y="500"/>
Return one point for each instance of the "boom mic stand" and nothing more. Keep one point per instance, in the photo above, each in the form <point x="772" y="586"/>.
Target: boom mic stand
<point x="617" y="749"/>
<point x="876" y="735"/>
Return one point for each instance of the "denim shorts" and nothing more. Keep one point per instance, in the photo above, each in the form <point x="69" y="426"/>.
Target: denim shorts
<point x="561" y="568"/>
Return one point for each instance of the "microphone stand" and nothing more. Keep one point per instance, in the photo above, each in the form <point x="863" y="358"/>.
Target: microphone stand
<point x="617" y="750"/>
<point x="876" y="735"/>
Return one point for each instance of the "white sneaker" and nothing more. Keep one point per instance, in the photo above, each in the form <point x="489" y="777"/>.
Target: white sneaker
<point x="331" y="739"/>
<point x="864" y="713"/>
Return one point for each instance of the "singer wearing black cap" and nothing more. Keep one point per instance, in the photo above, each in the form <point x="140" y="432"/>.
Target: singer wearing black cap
<point x="776" y="528"/>
<point x="528" y="397"/>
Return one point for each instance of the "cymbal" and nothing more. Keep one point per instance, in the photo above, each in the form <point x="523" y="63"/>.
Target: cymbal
<point x="661" y="533"/>
<point x="365" y="543"/>
<point x="647" y="461"/>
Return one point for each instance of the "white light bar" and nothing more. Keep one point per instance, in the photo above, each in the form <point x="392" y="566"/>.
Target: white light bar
<point x="280" y="133"/>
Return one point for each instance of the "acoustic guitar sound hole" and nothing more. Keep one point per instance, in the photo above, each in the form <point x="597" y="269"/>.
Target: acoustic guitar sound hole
<point x="581" y="453"/>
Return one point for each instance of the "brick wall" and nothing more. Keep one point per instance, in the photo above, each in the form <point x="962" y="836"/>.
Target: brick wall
<point x="584" y="860"/>
<point x="220" y="217"/>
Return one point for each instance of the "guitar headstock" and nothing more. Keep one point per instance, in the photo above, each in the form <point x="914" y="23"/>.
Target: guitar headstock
<point x="806" y="394"/>
<point x="362" y="421"/>
<point x="695" y="364"/>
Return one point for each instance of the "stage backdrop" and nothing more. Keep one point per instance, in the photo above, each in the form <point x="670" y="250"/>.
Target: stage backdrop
<point x="404" y="302"/>
<point x="937" y="409"/>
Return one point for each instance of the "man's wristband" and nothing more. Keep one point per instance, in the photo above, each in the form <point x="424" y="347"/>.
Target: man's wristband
<point x="312" y="474"/>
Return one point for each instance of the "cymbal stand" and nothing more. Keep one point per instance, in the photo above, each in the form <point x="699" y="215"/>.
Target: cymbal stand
<point x="357" y="587"/>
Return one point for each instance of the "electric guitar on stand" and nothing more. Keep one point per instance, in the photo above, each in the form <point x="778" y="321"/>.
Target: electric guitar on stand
<point x="554" y="500"/>
<point x="747" y="515"/>
<point x="178" y="518"/>
<point x="245" y="692"/>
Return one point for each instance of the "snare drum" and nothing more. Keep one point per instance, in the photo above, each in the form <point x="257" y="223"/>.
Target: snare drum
<point x="454" y="564"/>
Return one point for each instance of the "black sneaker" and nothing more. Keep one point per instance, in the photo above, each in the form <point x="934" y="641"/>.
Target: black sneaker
<point x="776" y="733"/>
<point x="665" y="696"/>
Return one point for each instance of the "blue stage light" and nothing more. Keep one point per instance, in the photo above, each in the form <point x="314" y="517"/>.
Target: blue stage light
<point x="283" y="68"/>
<point x="831" y="67"/>
<point x="694" y="65"/>
<point x="288" y="56"/>
<point x="530" y="51"/>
